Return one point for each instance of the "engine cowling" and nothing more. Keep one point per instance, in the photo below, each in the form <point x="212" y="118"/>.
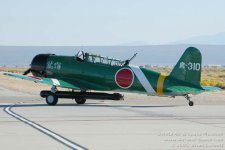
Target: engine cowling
<point x="38" y="65"/>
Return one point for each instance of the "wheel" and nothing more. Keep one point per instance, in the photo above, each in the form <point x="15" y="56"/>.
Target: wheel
<point x="191" y="103"/>
<point x="51" y="99"/>
<point x="80" y="100"/>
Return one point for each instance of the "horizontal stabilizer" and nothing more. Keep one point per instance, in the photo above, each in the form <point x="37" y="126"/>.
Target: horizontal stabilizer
<point x="211" y="88"/>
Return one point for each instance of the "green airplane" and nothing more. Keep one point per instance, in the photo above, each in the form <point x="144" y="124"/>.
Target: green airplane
<point x="85" y="72"/>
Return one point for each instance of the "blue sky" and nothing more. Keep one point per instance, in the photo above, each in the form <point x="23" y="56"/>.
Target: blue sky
<point x="105" y="22"/>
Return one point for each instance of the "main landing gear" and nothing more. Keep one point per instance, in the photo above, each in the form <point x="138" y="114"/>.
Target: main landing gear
<point x="51" y="98"/>
<point x="188" y="97"/>
<point x="80" y="97"/>
<point x="80" y="100"/>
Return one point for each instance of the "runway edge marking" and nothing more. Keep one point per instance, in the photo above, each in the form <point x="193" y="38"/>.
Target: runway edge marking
<point x="44" y="130"/>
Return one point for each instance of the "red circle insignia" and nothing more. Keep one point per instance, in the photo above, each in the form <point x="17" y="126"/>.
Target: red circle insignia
<point x="124" y="78"/>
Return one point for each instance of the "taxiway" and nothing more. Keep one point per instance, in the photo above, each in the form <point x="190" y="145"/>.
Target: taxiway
<point x="139" y="122"/>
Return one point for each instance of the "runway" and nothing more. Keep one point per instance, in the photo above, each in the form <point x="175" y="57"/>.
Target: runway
<point x="139" y="122"/>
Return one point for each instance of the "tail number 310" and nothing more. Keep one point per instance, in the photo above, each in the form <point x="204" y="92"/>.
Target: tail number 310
<point x="190" y="66"/>
<point x="194" y="66"/>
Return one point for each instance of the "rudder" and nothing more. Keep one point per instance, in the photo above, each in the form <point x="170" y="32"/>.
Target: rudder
<point x="188" y="67"/>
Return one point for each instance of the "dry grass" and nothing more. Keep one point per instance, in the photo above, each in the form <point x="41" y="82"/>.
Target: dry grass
<point x="214" y="76"/>
<point x="12" y="69"/>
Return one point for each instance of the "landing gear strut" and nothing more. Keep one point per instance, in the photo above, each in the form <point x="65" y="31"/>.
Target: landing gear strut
<point x="54" y="89"/>
<point x="188" y="97"/>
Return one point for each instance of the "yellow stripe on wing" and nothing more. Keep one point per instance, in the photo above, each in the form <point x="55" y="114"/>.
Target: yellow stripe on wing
<point x="160" y="84"/>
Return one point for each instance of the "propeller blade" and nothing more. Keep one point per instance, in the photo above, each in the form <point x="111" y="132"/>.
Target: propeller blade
<point x="27" y="71"/>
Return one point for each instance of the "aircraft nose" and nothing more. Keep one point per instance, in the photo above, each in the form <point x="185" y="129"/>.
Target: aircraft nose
<point x="38" y="65"/>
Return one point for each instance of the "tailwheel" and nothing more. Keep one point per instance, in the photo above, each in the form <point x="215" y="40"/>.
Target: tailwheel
<point x="51" y="99"/>
<point x="191" y="103"/>
<point x="80" y="100"/>
<point x="188" y="97"/>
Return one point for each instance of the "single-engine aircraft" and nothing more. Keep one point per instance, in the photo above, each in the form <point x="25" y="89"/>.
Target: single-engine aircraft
<point x="85" y="72"/>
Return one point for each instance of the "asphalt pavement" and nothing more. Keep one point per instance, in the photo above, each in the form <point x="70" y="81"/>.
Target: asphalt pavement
<point x="139" y="122"/>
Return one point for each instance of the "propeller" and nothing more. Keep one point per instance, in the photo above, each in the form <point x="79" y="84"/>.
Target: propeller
<point x="34" y="72"/>
<point x="27" y="71"/>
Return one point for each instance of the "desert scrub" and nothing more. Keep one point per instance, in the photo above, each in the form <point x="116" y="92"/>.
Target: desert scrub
<point x="12" y="69"/>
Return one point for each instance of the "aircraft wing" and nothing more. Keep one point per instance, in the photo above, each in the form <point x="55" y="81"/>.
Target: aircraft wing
<point x="49" y="81"/>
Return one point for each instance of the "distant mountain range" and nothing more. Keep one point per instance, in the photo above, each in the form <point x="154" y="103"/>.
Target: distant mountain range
<point x="211" y="46"/>
<point x="134" y="43"/>
<point x="215" y="39"/>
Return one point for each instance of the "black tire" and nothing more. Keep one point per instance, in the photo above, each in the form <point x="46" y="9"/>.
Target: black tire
<point x="51" y="99"/>
<point x="80" y="100"/>
<point x="191" y="103"/>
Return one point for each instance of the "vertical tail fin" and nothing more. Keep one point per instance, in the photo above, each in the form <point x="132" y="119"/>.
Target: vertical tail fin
<point x="188" y="67"/>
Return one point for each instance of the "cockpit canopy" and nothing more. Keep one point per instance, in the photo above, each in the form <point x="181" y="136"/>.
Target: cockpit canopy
<point x="94" y="58"/>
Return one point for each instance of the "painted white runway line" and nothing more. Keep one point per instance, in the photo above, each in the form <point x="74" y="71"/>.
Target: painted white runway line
<point x="44" y="130"/>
